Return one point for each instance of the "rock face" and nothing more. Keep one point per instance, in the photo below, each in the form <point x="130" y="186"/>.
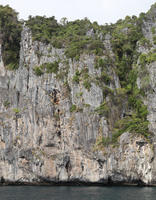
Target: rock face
<point x="48" y="127"/>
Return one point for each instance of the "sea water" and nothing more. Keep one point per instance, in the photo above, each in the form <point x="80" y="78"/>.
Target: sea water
<point x="76" y="193"/>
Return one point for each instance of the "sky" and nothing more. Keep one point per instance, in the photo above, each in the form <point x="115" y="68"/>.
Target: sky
<point x="102" y="11"/>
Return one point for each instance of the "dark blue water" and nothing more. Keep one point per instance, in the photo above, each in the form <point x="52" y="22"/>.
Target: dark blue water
<point x="76" y="193"/>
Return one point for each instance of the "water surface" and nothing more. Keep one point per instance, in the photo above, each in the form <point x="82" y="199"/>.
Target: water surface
<point x="76" y="193"/>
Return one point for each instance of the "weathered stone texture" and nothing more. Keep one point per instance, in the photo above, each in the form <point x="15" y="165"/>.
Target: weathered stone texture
<point x="42" y="140"/>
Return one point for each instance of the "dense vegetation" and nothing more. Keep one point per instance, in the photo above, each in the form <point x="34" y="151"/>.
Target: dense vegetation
<point x="125" y="35"/>
<point x="10" y="35"/>
<point x="124" y="38"/>
<point x="70" y="35"/>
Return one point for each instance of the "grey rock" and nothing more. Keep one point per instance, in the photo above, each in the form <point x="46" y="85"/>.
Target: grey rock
<point x="41" y="140"/>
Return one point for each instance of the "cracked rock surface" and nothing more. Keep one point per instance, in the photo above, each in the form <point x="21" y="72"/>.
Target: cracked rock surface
<point x="41" y="140"/>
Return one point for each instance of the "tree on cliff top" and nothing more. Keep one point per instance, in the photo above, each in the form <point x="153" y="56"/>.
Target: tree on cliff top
<point x="10" y="33"/>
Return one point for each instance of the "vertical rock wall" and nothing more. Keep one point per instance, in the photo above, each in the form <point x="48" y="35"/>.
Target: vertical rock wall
<point x="42" y="139"/>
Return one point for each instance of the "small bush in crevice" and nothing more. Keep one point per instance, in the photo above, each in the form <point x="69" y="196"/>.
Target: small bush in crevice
<point x="154" y="39"/>
<point x="153" y="30"/>
<point x="37" y="70"/>
<point x="76" y="77"/>
<point x="46" y="68"/>
<point x="103" y="141"/>
<point x="51" y="67"/>
<point x="87" y="84"/>
<point x="103" y="109"/>
<point x="16" y="110"/>
<point x="73" y="108"/>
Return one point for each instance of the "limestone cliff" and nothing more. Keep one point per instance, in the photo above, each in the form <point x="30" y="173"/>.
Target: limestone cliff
<point x="50" y="125"/>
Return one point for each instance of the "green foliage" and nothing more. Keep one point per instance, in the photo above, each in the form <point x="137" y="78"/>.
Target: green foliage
<point x="142" y="16"/>
<point x="76" y="77"/>
<point x="143" y="72"/>
<point x="145" y="42"/>
<point x="72" y="51"/>
<point x="37" y="70"/>
<point x="96" y="46"/>
<point x="73" y="108"/>
<point x="71" y="35"/>
<point x="10" y="35"/>
<point x="103" y="109"/>
<point x="57" y="43"/>
<point x="87" y="105"/>
<point x="6" y="103"/>
<point x="42" y="27"/>
<point x="116" y="135"/>
<point x="99" y="62"/>
<point x="107" y="91"/>
<point x="82" y="36"/>
<point x="103" y="62"/>
<point x="124" y="39"/>
<point x="143" y="59"/>
<point x="104" y="141"/>
<point x="153" y="30"/>
<point x="154" y="39"/>
<point x="12" y="66"/>
<point x="51" y="67"/>
<point x="82" y="75"/>
<point x="147" y="58"/>
<point x="105" y="78"/>
<point x="135" y="121"/>
<point x="46" y="68"/>
<point x="145" y="82"/>
<point x="151" y="58"/>
<point x="16" y="110"/>
<point x="87" y="84"/>
<point x="79" y="94"/>
<point x="85" y="73"/>
<point x="125" y="35"/>
<point x="86" y="78"/>
<point x="132" y="124"/>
